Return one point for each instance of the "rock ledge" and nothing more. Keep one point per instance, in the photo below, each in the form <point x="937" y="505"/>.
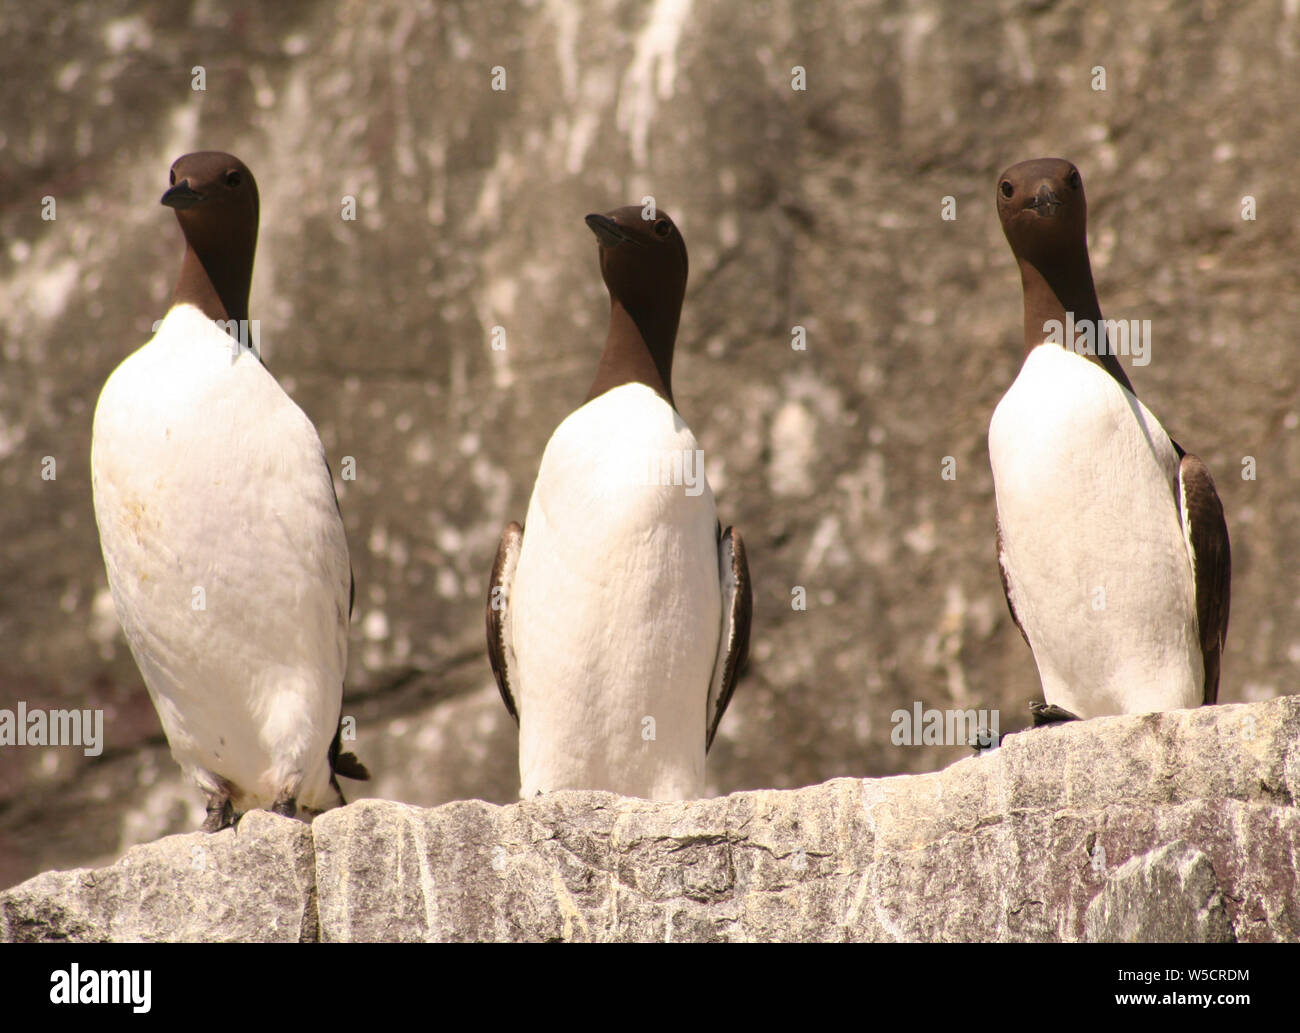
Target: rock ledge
<point x="1174" y="826"/>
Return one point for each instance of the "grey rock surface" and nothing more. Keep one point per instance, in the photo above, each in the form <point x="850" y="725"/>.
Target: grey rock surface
<point x="1170" y="895"/>
<point x="1177" y="826"/>
<point x="819" y="208"/>
<point x="254" y="883"/>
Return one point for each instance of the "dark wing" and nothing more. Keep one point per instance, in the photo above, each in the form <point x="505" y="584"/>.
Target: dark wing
<point x="352" y="578"/>
<point x="500" y="652"/>
<point x="1006" y="586"/>
<point x="733" y="644"/>
<point x="345" y="764"/>
<point x="1207" y="535"/>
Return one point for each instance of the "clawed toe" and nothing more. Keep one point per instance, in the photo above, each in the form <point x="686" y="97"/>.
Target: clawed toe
<point x="285" y="805"/>
<point x="985" y="740"/>
<point x="1049" y="714"/>
<point x="221" y="813"/>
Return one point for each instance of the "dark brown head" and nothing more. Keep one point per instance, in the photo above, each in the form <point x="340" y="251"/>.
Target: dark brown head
<point x="215" y="199"/>
<point x="1043" y="211"/>
<point x="1045" y="218"/>
<point x="643" y="263"/>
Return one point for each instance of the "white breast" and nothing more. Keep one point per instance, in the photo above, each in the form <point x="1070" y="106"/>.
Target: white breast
<point x="615" y="610"/>
<point x="226" y="559"/>
<point x="1097" y="563"/>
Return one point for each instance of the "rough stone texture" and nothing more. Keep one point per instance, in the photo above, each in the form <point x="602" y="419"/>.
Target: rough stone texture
<point x="256" y="882"/>
<point x="1164" y="827"/>
<point x="1181" y="881"/>
<point x="819" y="208"/>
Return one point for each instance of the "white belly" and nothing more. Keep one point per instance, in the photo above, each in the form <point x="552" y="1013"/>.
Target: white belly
<point x="615" y="608"/>
<point x="1098" y="566"/>
<point x="208" y="477"/>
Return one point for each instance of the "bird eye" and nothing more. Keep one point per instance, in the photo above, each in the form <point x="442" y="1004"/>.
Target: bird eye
<point x="1072" y="180"/>
<point x="171" y="177"/>
<point x="662" y="227"/>
<point x="1007" y="188"/>
<point x="233" y="178"/>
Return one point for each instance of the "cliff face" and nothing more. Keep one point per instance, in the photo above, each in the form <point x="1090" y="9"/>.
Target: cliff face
<point x="819" y="208"/>
<point x="1171" y="827"/>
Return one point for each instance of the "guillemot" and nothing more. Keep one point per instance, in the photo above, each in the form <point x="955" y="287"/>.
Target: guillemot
<point x="618" y="615"/>
<point x="221" y="531"/>
<point x="1112" y="543"/>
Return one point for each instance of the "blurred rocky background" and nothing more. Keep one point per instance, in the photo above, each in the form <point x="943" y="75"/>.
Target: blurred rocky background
<point x="818" y="208"/>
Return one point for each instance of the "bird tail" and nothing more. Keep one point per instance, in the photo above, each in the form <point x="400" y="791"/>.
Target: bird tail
<point x="345" y="764"/>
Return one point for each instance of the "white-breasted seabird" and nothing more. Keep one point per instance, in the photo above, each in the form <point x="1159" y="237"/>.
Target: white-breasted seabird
<point x="1112" y="543"/>
<point x="618" y="615"/>
<point x="221" y="530"/>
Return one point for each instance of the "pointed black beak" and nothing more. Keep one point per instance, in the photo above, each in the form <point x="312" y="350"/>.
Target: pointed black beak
<point x="608" y="232"/>
<point x="1045" y="202"/>
<point x="181" y="196"/>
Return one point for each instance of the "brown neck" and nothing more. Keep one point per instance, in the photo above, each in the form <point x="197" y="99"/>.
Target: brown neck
<point x="1066" y="286"/>
<point x="219" y="289"/>
<point x="637" y="351"/>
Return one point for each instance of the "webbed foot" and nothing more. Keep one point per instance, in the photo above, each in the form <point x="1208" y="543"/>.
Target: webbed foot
<point x="1049" y="714"/>
<point x="221" y="812"/>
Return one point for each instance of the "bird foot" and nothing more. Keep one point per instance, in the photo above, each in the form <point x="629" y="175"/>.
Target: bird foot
<point x="1049" y="714"/>
<point x="985" y="740"/>
<point x="285" y="805"/>
<point x="221" y="813"/>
